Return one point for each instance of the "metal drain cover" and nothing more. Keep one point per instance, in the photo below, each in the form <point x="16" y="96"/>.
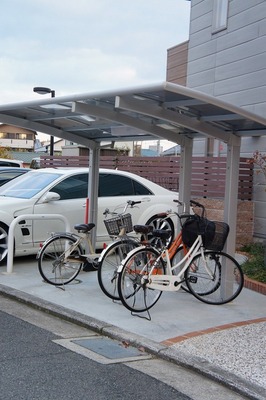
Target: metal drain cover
<point x="108" y="348"/>
<point x="103" y="349"/>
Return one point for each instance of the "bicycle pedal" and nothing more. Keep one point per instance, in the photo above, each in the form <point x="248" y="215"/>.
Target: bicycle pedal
<point x="193" y="279"/>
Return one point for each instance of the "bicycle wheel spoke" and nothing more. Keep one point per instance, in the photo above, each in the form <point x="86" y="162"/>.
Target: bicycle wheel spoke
<point x="107" y="271"/>
<point x="132" y="284"/>
<point x="215" y="278"/>
<point x="54" y="266"/>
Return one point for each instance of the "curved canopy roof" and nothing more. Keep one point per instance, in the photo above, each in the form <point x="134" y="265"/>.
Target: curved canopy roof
<point x="165" y="111"/>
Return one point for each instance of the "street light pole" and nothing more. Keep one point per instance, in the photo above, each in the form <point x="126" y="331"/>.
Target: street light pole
<point x="45" y="90"/>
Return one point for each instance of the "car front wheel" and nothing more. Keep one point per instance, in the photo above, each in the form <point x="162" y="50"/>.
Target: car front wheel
<point x="3" y="242"/>
<point x="160" y="222"/>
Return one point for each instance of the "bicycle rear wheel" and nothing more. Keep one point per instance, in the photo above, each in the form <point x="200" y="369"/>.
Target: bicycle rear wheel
<point x="215" y="278"/>
<point x="108" y="264"/>
<point x="54" y="267"/>
<point x="132" y="286"/>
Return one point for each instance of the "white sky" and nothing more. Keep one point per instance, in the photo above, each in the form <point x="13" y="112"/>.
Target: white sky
<point x="82" y="46"/>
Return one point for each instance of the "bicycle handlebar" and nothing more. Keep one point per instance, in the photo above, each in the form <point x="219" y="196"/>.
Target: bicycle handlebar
<point x="197" y="204"/>
<point x="193" y="203"/>
<point x="177" y="201"/>
<point x="129" y="203"/>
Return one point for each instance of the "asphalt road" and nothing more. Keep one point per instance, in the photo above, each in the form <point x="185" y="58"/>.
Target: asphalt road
<point x="34" y="366"/>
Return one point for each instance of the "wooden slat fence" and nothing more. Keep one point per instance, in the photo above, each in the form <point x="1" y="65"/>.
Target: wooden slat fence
<point x="208" y="173"/>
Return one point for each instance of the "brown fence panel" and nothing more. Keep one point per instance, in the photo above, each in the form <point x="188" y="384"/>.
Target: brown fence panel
<point x="245" y="181"/>
<point x="208" y="177"/>
<point x="64" y="161"/>
<point x="208" y="173"/>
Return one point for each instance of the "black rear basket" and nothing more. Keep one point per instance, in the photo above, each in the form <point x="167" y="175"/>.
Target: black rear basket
<point x="214" y="234"/>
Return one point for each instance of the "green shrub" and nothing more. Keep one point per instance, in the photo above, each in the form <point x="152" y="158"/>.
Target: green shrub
<point x="255" y="267"/>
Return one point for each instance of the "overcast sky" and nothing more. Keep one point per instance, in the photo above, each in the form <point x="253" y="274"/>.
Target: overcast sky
<point x="82" y="46"/>
<point x="78" y="46"/>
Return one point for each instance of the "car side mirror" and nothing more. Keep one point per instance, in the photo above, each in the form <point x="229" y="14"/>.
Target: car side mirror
<point x="51" y="196"/>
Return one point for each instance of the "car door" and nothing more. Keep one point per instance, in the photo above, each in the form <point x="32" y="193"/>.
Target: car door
<point x="73" y="192"/>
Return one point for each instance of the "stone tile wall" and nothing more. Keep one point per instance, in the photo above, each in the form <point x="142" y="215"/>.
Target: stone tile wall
<point x="245" y="218"/>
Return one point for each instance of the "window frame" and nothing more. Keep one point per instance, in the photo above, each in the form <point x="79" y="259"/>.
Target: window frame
<point x="220" y="15"/>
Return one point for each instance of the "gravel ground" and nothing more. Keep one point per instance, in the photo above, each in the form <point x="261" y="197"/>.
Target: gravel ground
<point x="240" y="350"/>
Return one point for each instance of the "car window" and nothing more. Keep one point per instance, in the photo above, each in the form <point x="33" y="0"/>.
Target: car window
<point x="10" y="163"/>
<point x="27" y="185"/>
<point x="7" y="176"/>
<point x="140" y="189"/>
<point x="73" y="187"/>
<point x="119" y="185"/>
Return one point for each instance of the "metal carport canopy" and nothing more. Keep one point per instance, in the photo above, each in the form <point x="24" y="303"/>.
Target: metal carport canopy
<point x="161" y="111"/>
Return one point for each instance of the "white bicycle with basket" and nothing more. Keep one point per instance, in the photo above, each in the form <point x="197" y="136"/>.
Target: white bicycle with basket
<point x="210" y="274"/>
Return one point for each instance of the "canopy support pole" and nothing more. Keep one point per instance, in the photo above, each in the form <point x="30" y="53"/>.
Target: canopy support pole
<point x="231" y="190"/>
<point x="93" y="184"/>
<point x="185" y="172"/>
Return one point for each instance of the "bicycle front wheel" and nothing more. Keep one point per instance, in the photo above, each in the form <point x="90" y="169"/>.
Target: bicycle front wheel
<point x="214" y="278"/>
<point x="109" y="263"/>
<point x="132" y="280"/>
<point x="59" y="260"/>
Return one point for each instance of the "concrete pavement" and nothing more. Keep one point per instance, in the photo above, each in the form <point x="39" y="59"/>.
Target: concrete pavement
<point x="225" y="342"/>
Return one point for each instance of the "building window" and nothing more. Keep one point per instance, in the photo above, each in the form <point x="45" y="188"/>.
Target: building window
<point x="220" y="15"/>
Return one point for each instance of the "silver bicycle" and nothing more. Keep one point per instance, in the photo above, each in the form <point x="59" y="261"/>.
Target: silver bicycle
<point x="118" y="228"/>
<point x="63" y="255"/>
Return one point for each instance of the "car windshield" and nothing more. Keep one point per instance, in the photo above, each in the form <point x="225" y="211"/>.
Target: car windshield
<point x="28" y="185"/>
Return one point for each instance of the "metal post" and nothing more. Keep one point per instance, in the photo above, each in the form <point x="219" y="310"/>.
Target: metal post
<point x="231" y="190"/>
<point x="10" y="242"/>
<point x="185" y="172"/>
<point x="93" y="190"/>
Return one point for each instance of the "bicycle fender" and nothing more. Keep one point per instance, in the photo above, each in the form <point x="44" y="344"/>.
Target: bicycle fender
<point x="53" y="235"/>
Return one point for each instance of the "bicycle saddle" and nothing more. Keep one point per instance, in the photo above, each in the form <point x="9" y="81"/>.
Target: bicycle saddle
<point x="84" y="227"/>
<point x="143" y="229"/>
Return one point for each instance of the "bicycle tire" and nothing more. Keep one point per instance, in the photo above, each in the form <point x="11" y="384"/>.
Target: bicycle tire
<point x="109" y="262"/>
<point x="52" y="268"/>
<point x="224" y="284"/>
<point x="133" y="292"/>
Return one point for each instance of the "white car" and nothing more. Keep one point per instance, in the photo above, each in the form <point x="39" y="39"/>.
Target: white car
<point x="37" y="193"/>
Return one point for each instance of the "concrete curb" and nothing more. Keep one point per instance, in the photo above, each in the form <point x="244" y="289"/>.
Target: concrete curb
<point x="199" y="365"/>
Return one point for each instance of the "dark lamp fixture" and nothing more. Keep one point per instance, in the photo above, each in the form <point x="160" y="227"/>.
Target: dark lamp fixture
<point x="44" y="90"/>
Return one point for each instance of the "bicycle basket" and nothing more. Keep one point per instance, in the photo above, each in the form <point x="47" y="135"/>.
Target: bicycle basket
<point x="195" y="226"/>
<point x="214" y="234"/>
<point x="219" y="238"/>
<point x="114" y="225"/>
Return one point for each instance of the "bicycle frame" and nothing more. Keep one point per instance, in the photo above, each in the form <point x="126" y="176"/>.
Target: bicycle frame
<point x="202" y="268"/>
<point x="169" y="282"/>
<point x="79" y="239"/>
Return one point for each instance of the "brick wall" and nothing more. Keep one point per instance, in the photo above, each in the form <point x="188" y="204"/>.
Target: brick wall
<point x="245" y="218"/>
